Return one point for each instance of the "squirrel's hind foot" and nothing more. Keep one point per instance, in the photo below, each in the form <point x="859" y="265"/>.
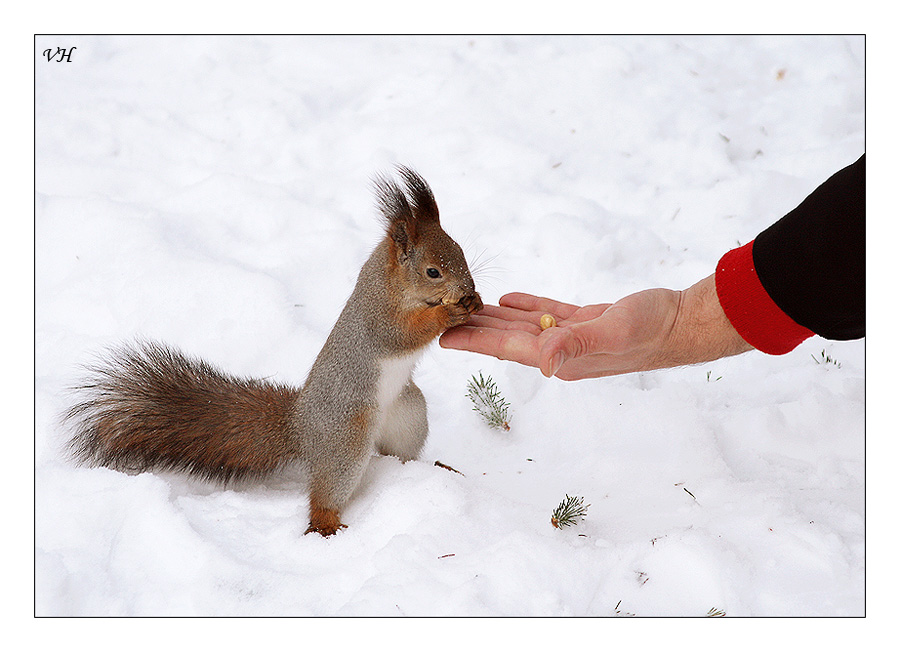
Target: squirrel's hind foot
<point x="324" y="521"/>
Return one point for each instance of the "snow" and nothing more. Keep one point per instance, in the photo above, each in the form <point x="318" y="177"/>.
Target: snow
<point x="212" y="192"/>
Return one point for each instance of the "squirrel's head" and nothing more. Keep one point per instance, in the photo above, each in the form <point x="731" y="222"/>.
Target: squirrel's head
<point x="428" y="265"/>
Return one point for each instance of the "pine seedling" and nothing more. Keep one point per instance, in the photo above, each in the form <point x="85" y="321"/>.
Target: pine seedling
<point x="715" y="612"/>
<point x="826" y="359"/>
<point x="569" y="512"/>
<point x="488" y="403"/>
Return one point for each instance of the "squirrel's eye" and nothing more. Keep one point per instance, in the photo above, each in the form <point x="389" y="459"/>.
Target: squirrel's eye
<point x="433" y="273"/>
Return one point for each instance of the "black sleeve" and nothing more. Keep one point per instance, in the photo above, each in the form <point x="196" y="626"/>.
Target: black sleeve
<point x="812" y="262"/>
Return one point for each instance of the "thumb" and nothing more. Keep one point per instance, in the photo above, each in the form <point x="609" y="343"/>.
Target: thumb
<point x="560" y="346"/>
<point x="576" y="340"/>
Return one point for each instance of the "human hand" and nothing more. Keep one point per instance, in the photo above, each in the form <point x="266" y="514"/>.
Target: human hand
<point x="651" y="329"/>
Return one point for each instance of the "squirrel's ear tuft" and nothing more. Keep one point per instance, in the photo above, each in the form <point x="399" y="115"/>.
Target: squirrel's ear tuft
<point x="420" y="195"/>
<point x="404" y="208"/>
<point x="396" y="212"/>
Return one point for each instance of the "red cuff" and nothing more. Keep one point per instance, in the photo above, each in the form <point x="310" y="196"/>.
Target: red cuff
<point x="750" y="309"/>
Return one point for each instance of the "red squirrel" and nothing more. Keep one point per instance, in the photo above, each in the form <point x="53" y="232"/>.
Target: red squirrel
<point x="151" y="407"/>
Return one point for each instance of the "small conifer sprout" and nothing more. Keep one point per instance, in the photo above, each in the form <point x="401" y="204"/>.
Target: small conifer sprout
<point x="547" y="321"/>
<point x="488" y="403"/>
<point x="569" y="512"/>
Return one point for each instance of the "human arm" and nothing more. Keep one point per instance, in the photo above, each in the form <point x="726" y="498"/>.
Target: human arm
<point x="804" y="275"/>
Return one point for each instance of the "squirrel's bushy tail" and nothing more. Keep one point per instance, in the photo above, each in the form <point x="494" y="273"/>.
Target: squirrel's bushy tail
<point x="151" y="407"/>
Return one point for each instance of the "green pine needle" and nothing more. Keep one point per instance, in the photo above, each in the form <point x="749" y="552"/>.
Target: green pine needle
<point x="569" y="512"/>
<point x="488" y="403"/>
<point x="826" y="359"/>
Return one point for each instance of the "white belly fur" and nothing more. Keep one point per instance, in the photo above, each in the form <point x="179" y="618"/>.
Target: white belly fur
<point x="395" y="374"/>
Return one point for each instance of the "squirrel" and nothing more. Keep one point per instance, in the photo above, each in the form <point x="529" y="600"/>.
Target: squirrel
<point x="150" y="407"/>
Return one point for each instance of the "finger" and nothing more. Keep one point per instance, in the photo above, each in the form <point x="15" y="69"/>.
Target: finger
<point x="511" y="314"/>
<point x="529" y="302"/>
<point x="598" y="336"/>
<point x="555" y="351"/>
<point x="500" y="312"/>
<point x="513" y="345"/>
<point x="514" y="315"/>
<point x="458" y="338"/>
<point x="506" y="323"/>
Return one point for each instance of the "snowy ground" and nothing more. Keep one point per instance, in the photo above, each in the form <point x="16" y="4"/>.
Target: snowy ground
<point x="213" y="193"/>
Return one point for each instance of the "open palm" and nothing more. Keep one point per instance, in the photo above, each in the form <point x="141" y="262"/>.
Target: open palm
<point x="590" y="341"/>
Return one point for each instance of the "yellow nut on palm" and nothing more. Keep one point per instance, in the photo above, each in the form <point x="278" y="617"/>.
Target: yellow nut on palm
<point x="547" y="321"/>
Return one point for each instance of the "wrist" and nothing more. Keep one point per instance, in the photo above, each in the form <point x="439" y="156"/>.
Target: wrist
<point x="701" y="331"/>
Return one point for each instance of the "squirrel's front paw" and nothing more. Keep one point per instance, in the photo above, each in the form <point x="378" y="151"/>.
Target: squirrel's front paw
<point x="458" y="313"/>
<point x="472" y="303"/>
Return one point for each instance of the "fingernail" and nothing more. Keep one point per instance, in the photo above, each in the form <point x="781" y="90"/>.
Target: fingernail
<point x="555" y="363"/>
